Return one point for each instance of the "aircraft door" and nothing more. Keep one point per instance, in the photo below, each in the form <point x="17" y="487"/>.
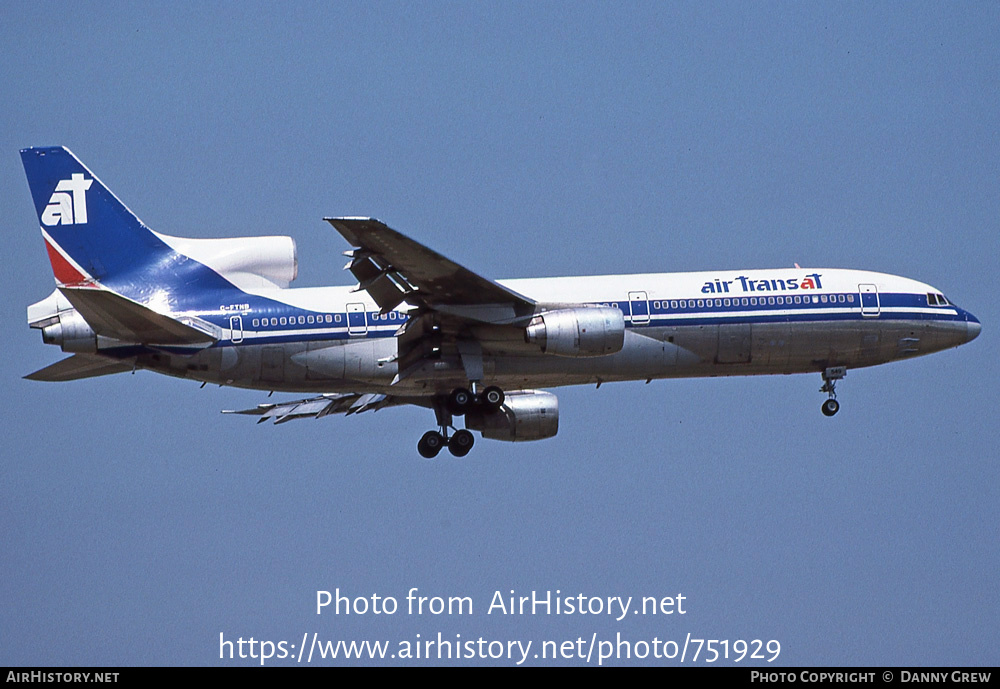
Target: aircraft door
<point x="236" y="328"/>
<point x="869" y="301"/>
<point x="638" y="305"/>
<point x="357" y="320"/>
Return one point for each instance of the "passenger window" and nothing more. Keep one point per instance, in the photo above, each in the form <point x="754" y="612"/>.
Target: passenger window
<point x="850" y="298"/>
<point x="673" y="304"/>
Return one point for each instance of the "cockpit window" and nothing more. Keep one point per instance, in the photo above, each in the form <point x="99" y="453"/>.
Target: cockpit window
<point x="937" y="299"/>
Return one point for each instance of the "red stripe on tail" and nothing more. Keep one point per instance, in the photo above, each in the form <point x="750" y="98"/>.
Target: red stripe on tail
<point x="65" y="272"/>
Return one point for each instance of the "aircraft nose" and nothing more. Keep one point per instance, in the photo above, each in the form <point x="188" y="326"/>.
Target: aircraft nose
<point x="972" y="327"/>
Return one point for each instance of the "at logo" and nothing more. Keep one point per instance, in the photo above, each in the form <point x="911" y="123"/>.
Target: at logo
<point x="64" y="209"/>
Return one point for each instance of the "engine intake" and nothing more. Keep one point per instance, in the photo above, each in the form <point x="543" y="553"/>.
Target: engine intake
<point x="578" y="332"/>
<point x="247" y="262"/>
<point x="525" y="415"/>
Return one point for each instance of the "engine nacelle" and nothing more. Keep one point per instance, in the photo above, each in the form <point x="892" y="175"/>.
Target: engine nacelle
<point x="247" y="262"/>
<point x="584" y="331"/>
<point x="70" y="332"/>
<point x="525" y="415"/>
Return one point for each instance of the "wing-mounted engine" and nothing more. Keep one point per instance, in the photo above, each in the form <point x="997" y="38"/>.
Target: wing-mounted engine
<point x="578" y="332"/>
<point x="525" y="415"/>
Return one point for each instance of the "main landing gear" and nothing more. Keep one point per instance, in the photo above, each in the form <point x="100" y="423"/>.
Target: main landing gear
<point x="458" y="444"/>
<point x="830" y="377"/>
<point x="458" y="403"/>
<point x="462" y="401"/>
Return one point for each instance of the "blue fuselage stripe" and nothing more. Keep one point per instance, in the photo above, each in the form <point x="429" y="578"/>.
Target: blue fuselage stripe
<point x="258" y="313"/>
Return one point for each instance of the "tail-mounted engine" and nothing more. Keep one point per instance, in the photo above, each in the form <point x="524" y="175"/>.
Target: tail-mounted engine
<point x="71" y="333"/>
<point x="62" y="325"/>
<point x="578" y="332"/>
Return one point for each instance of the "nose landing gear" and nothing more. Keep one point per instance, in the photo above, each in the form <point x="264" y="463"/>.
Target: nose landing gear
<point x="830" y="377"/>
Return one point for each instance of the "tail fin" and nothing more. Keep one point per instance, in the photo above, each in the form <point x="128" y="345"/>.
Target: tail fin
<point x="90" y="235"/>
<point x="93" y="239"/>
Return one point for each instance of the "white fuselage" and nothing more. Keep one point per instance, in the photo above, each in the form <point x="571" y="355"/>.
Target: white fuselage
<point x="677" y="325"/>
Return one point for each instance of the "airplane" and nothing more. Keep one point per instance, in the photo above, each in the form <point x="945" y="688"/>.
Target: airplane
<point x="421" y="329"/>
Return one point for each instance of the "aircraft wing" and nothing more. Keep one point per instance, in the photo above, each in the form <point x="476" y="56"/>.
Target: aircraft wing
<point x="449" y="300"/>
<point x="393" y="268"/>
<point x="318" y="407"/>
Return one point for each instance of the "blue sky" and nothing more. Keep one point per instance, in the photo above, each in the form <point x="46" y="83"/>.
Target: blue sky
<point x="520" y="139"/>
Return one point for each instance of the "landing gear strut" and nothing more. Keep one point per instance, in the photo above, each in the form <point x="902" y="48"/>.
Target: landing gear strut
<point x="830" y="377"/>
<point x="432" y="442"/>
<point x="460" y="402"/>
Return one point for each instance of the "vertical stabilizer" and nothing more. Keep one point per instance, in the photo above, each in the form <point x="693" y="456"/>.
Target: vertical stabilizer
<point x="89" y="234"/>
<point x="93" y="239"/>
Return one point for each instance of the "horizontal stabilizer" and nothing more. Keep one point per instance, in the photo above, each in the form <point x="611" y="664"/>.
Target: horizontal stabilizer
<point x="112" y="315"/>
<point x="79" y="366"/>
